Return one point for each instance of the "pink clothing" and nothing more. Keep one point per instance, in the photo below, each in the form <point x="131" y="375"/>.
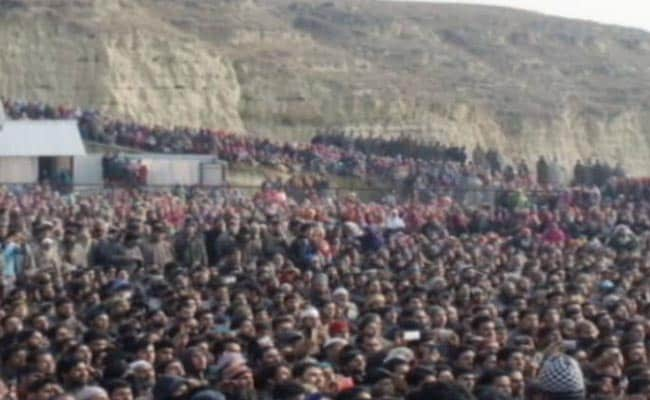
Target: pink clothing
<point x="555" y="236"/>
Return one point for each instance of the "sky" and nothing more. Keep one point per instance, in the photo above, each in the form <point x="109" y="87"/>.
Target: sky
<point x="631" y="13"/>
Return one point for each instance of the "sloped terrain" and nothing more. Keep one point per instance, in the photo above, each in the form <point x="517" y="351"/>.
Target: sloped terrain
<point x="525" y="83"/>
<point x="112" y="55"/>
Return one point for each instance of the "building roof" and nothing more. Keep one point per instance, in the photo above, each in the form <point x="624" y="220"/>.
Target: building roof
<point x="34" y="138"/>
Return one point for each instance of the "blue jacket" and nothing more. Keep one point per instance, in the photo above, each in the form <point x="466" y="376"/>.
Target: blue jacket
<point x="13" y="260"/>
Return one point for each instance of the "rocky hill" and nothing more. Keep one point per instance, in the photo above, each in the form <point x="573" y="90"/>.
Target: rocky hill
<point x="522" y="82"/>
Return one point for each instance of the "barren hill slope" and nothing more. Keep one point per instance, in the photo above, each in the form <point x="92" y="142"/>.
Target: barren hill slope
<point x="523" y="82"/>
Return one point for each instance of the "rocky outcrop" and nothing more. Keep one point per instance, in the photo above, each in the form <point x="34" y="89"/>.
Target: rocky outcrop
<point x="525" y="83"/>
<point x="112" y="55"/>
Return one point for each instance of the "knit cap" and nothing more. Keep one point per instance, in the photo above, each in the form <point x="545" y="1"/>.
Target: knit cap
<point x="560" y="378"/>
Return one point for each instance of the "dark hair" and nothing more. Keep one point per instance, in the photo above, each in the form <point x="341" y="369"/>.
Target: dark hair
<point x="351" y="394"/>
<point x="164" y="344"/>
<point x="186" y="359"/>
<point x="480" y="320"/>
<point x="33" y="356"/>
<point x="40" y="383"/>
<point x="116" y="384"/>
<point x="220" y="345"/>
<point x="264" y="376"/>
<point x="287" y="390"/>
<point x="66" y="364"/>
<point x="488" y="377"/>
<point x="302" y="367"/>
<point x="442" y="391"/>
<point x="638" y="385"/>
<point x="489" y="393"/>
<point x="417" y="375"/>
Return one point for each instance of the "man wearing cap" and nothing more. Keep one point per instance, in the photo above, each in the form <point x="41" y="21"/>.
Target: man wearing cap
<point x="341" y="297"/>
<point x="560" y="378"/>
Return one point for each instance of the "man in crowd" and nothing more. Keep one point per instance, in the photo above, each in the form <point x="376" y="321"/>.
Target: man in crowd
<point x="325" y="301"/>
<point x="199" y="295"/>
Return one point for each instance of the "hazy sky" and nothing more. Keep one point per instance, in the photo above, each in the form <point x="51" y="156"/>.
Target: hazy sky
<point x="634" y="13"/>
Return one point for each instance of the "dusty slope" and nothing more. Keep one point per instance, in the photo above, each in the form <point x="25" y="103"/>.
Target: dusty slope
<point x="112" y="55"/>
<point x="523" y="82"/>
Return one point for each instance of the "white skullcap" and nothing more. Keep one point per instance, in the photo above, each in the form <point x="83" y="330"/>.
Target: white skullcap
<point x="309" y="312"/>
<point x="90" y="393"/>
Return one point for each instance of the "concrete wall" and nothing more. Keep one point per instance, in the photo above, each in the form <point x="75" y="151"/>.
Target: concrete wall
<point x="18" y="169"/>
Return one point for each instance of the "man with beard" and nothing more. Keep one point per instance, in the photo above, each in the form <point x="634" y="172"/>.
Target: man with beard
<point x="237" y="381"/>
<point x="74" y="373"/>
<point x="353" y="364"/>
<point x="143" y="378"/>
<point x="66" y="316"/>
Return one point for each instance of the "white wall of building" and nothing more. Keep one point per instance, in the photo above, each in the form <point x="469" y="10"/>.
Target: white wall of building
<point x="88" y="170"/>
<point x="18" y="169"/>
<point x="162" y="171"/>
<point x="172" y="172"/>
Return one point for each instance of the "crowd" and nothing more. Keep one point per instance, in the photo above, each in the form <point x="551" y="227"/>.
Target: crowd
<point x="37" y="110"/>
<point x="123" y="171"/>
<point x="405" y="146"/>
<point x="404" y="164"/>
<point x="210" y="294"/>
<point x="596" y="173"/>
<point x="297" y="294"/>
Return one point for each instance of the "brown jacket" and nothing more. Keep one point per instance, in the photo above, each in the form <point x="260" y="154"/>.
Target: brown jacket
<point x="157" y="253"/>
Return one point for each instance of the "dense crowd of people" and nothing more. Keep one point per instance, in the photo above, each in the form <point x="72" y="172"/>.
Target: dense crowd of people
<point x="38" y="110"/>
<point x="405" y="146"/>
<point x="117" y="170"/>
<point x="297" y="293"/>
<point x="596" y="173"/>
<point x="405" y="160"/>
<point x="212" y="295"/>
<point x="410" y="167"/>
<point x="404" y="163"/>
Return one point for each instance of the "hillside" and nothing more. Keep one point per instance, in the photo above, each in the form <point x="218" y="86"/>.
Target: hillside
<point x="522" y="82"/>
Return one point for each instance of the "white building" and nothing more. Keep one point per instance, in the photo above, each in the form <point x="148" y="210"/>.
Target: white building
<point x="164" y="170"/>
<point x="33" y="150"/>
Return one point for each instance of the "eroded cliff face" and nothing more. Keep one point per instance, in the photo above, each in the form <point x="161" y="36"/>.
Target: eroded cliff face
<point x="524" y="83"/>
<point x="112" y="56"/>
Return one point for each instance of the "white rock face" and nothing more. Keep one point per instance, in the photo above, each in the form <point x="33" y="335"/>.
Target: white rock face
<point x="116" y="59"/>
<point x="525" y="83"/>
